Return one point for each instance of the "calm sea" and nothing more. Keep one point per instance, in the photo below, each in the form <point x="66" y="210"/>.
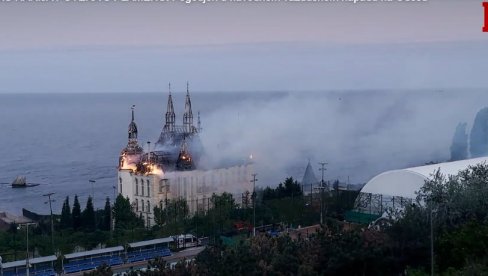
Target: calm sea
<point x="64" y="140"/>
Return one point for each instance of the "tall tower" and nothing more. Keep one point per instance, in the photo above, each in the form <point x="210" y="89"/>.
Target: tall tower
<point x="170" y="113"/>
<point x="188" y="115"/>
<point x="132" y="151"/>
<point x="132" y="132"/>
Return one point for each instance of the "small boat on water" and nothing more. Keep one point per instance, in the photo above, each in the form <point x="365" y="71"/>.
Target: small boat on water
<point x="21" y="182"/>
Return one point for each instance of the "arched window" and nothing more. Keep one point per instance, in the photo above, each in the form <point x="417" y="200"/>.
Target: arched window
<point x="148" y="207"/>
<point x="137" y="205"/>
<point x="137" y="187"/>
<point x="148" y="193"/>
<point x="142" y="205"/>
<point x="142" y="187"/>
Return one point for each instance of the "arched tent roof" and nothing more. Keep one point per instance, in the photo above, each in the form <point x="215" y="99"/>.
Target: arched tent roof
<point x="406" y="182"/>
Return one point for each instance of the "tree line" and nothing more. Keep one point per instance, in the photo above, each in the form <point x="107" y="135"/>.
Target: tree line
<point x="454" y="207"/>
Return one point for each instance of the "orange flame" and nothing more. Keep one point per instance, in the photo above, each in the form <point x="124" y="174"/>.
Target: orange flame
<point x="154" y="169"/>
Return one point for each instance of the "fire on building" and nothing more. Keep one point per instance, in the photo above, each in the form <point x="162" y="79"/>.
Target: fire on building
<point x="171" y="168"/>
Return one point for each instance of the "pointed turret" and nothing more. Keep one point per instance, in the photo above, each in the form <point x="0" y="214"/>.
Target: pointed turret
<point x="170" y="113"/>
<point x="132" y="128"/>
<point x="130" y="154"/>
<point x="309" y="179"/>
<point x="188" y="115"/>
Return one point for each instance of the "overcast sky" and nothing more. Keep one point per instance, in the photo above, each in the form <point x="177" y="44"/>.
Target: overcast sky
<point x="132" y="47"/>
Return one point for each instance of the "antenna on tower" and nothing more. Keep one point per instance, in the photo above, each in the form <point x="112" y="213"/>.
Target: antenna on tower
<point x="149" y="152"/>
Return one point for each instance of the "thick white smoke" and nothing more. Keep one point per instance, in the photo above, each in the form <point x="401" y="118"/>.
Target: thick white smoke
<point x="359" y="134"/>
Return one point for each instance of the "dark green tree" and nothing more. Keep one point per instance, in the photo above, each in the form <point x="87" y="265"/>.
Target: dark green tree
<point x="268" y="193"/>
<point x="76" y="214"/>
<point x="223" y="207"/>
<point x="289" y="188"/>
<point x="124" y="216"/>
<point x="88" y="215"/>
<point x="106" y="216"/>
<point x="458" y="209"/>
<point x="177" y="210"/>
<point x="66" y="215"/>
<point x="292" y="188"/>
<point x="159" y="215"/>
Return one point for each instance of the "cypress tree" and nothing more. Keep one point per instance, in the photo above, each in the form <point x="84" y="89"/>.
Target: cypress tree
<point x="66" y="215"/>
<point x="106" y="215"/>
<point x="76" y="214"/>
<point x="88" y="215"/>
<point x="124" y="215"/>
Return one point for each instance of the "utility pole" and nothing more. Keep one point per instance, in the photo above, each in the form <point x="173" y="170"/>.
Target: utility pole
<point x="115" y="192"/>
<point x="321" y="188"/>
<point x="112" y="217"/>
<point x="431" y="242"/>
<point x="254" y="179"/>
<point x="52" y="223"/>
<point x="27" y="264"/>
<point x="323" y="169"/>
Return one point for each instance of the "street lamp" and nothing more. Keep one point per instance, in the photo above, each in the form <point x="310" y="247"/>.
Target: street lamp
<point x="92" y="182"/>
<point x="115" y="192"/>
<point x="52" y="223"/>
<point x="254" y="179"/>
<point x="27" y="265"/>
<point x="321" y="188"/>
<point x="432" y="212"/>
<point x="112" y="218"/>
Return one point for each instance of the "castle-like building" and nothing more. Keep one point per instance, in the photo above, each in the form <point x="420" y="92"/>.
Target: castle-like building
<point x="172" y="168"/>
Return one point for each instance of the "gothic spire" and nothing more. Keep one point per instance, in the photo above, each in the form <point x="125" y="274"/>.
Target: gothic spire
<point x="132" y="145"/>
<point x="170" y="113"/>
<point x="132" y="128"/>
<point x="188" y="115"/>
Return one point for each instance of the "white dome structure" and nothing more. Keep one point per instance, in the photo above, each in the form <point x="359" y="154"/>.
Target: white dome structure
<point x="394" y="189"/>
<point x="405" y="182"/>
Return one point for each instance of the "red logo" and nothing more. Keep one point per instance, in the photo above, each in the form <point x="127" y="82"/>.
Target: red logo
<point x="485" y="28"/>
